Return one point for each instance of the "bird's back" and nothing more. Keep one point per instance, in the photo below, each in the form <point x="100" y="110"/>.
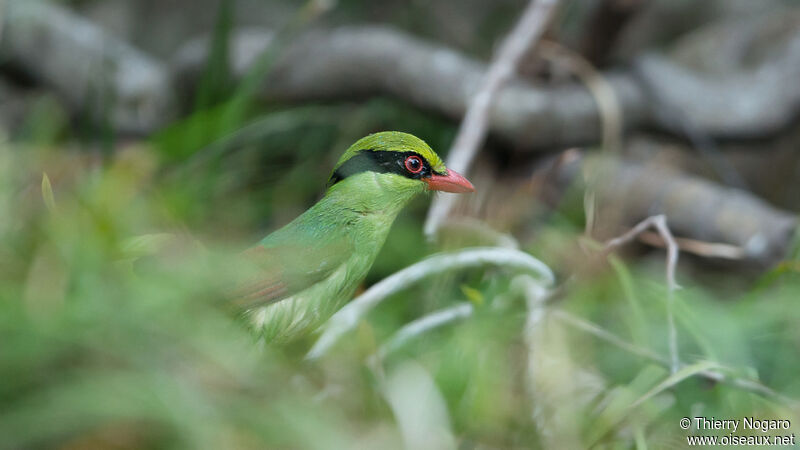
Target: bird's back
<point x="308" y="269"/>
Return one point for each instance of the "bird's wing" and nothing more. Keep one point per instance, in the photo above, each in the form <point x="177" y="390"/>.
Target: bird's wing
<point x="276" y="272"/>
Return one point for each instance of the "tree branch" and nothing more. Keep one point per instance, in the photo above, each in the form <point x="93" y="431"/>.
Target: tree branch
<point x="86" y="66"/>
<point x="698" y="209"/>
<point x="353" y="62"/>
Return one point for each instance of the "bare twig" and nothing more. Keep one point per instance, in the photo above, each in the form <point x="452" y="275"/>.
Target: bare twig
<point x="355" y="62"/>
<point x="82" y="63"/>
<point x="696" y="247"/>
<point x="697" y="208"/>
<point x="473" y="128"/>
<point x="348" y="317"/>
<point x="660" y="224"/>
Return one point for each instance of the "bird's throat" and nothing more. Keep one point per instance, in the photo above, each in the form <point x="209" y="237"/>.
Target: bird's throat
<point x="371" y="194"/>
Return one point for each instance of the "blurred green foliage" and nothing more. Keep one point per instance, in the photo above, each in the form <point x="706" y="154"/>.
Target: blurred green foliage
<point x="103" y="347"/>
<point x="106" y="344"/>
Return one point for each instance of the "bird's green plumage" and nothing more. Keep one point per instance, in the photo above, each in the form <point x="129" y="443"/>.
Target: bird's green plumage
<point x="315" y="263"/>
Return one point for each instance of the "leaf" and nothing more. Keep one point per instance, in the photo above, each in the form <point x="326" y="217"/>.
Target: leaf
<point x="146" y="244"/>
<point x="697" y="327"/>
<point x="675" y="378"/>
<point x="419" y="407"/>
<point x="473" y="295"/>
<point x="216" y="82"/>
<point x="617" y="403"/>
<point x="623" y="404"/>
<point x="47" y="193"/>
<point x="639" y="438"/>
<point x="636" y="318"/>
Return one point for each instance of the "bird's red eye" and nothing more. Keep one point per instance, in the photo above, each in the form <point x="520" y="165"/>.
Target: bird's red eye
<point x="414" y="164"/>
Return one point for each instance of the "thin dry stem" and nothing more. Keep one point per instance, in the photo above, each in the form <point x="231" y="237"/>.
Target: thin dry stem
<point x="473" y="128"/>
<point x="696" y="247"/>
<point x="659" y="222"/>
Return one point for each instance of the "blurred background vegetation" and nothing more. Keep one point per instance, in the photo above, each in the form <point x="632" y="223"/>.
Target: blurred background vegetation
<point x="144" y="144"/>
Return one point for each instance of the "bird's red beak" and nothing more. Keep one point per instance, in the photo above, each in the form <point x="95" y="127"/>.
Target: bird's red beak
<point x="452" y="182"/>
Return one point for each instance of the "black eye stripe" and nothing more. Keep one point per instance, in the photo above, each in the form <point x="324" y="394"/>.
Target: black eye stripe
<point x="380" y="162"/>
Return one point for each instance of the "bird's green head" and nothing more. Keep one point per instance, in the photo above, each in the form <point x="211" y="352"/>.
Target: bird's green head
<point x="398" y="161"/>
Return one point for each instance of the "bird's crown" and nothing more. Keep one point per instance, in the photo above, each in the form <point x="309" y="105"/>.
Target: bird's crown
<point x="389" y="152"/>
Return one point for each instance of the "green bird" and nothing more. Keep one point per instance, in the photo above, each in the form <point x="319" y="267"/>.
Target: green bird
<point x="302" y="273"/>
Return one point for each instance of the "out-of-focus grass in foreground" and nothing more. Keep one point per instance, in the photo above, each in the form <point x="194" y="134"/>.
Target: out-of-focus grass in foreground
<point x="106" y="343"/>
